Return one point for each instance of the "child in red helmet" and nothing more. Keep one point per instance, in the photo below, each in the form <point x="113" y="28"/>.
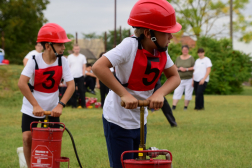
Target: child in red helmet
<point x="139" y="62"/>
<point x="44" y="73"/>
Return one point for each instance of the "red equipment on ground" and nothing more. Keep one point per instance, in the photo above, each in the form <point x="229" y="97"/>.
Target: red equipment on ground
<point x="46" y="147"/>
<point x="142" y="162"/>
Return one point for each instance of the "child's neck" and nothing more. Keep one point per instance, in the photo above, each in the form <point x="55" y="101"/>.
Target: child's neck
<point x="147" y="47"/>
<point x="49" y="59"/>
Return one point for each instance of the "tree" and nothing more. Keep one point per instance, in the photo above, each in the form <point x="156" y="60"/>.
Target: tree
<point x="199" y="17"/>
<point x="110" y="37"/>
<point x="21" y="20"/>
<point x="69" y="45"/>
<point x="230" y="67"/>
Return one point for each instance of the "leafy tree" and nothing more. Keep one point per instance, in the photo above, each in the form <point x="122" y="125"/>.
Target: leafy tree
<point x="199" y="17"/>
<point x="69" y="45"/>
<point x="110" y="37"/>
<point x="230" y="67"/>
<point x="21" y="20"/>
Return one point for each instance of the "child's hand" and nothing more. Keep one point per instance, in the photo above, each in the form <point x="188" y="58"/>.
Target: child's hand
<point x="130" y="101"/>
<point x="156" y="101"/>
<point x="38" y="111"/>
<point x="57" y="111"/>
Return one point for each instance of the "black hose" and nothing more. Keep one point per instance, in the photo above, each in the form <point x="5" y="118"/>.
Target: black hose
<point x="76" y="154"/>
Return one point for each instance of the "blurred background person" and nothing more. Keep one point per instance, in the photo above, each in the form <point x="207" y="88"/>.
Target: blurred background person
<point x="38" y="49"/>
<point x="184" y="64"/>
<point x="77" y="63"/>
<point x="202" y="69"/>
<point x="90" y="80"/>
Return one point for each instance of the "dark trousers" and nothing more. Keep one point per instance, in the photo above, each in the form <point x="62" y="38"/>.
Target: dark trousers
<point x="119" y="140"/>
<point x="90" y="82"/>
<point x="103" y="91"/>
<point x="199" y="95"/>
<point x="81" y="90"/>
<point x="166" y="107"/>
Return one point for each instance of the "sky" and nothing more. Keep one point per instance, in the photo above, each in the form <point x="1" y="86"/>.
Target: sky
<point x="88" y="16"/>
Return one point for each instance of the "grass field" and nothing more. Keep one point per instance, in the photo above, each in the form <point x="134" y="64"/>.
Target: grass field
<point x="219" y="136"/>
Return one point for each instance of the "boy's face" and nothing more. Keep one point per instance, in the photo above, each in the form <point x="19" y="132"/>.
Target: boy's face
<point x="76" y="50"/>
<point x="59" y="48"/>
<point x="88" y="68"/>
<point x="163" y="39"/>
<point x="38" y="47"/>
<point x="201" y="54"/>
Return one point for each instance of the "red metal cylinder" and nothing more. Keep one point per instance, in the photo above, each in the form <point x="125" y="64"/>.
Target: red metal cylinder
<point x="148" y="163"/>
<point x="46" y="147"/>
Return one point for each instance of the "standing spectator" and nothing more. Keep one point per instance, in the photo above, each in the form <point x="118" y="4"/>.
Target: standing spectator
<point x="90" y="80"/>
<point x="38" y="49"/>
<point x="202" y="69"/>
<point x="184" y="64"/>
<point x="77" y="63"/>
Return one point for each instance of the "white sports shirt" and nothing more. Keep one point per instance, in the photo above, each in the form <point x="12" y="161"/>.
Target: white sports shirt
<point x="76" y="64"/>
<point x="200" y="68"/>
<point x="31" y="53"/>
<point x="47" y="101"/>
<point x="122" y="58"/>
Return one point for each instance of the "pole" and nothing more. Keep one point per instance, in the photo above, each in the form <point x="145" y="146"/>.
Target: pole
<point x="120" y="33"/>
<point x="2" y="40"/>
<point x="76" y="39"/>
<point x="115" y="27"/>
<point x="105" y="41"/>
<point x="231" y="23"/>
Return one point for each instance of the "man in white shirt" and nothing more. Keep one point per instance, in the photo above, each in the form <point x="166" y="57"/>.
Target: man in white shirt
<point x="77" y="63"/>
<point x="38" y="49"/>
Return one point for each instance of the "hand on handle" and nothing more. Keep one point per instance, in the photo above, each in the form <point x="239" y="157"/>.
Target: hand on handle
<point x="140" y="103"/>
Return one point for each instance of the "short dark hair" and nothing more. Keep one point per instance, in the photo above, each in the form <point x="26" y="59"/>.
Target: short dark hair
<point x="101" y="54"/>
<point x="88" y="65"/>
<point x="201" y="50"/>
<point x="185" y="46"/>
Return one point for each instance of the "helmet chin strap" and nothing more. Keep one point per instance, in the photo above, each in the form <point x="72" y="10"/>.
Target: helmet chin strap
<point x="57" y="55"/>
<point x="154" y="39"/>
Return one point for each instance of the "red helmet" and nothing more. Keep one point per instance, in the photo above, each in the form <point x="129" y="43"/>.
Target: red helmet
<point x="51" y="32"/>
<point x="156" y="15"/>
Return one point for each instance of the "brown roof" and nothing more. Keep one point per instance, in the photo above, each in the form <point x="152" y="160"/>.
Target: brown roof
<point x="185" y="40"/>
<point x="88" y="54"/>
<point x="95" y="46"/>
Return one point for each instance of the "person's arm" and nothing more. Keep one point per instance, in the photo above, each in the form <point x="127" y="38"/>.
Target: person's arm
<point x="90" y="74"/>
<point x="102" y="71"/>
<point x="25" y="90"/>
<point x="172" y="82"/>
<point x="57" y="111"/>
<point x="25" y="60"/>
<point x="84" y="69"/>
<point x="206" y="75"/>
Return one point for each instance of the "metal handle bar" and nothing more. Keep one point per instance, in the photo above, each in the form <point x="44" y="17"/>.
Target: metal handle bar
<point x="47" y="123"/>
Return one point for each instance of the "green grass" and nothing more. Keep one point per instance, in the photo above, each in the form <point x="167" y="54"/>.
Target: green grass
<point x="219" y="136"/>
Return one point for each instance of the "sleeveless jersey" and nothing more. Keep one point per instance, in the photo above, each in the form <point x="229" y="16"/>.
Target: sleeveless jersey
<point x="146" y="70"/>
<point x="47" y="80"/>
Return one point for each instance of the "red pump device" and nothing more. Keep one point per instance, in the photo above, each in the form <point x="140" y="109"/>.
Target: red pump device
<point x="141" y="161"/>
<point x="46" y="146"/>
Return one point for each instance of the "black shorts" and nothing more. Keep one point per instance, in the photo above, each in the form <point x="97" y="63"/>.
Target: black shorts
<point x="27" y="120"/>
